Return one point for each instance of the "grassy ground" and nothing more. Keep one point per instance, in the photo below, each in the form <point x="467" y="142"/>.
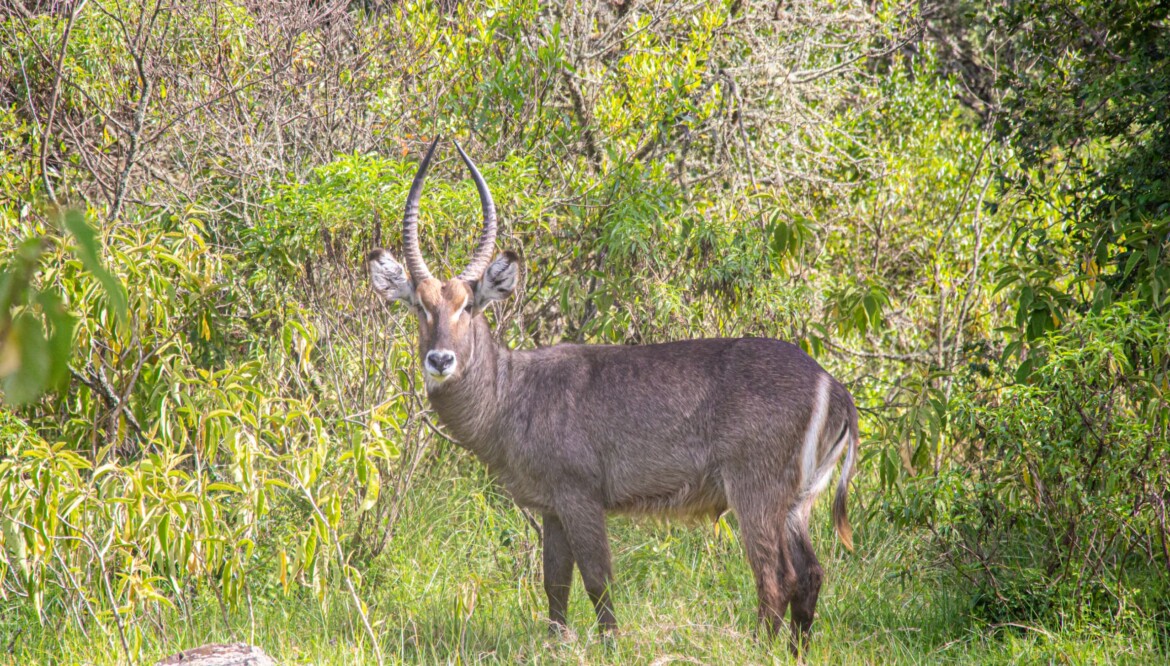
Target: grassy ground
<point x="461" y="584"/>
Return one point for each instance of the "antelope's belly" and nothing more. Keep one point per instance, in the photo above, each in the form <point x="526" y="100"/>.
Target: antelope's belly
<point x="692" y="496"/>
<point x="529" y="493"/>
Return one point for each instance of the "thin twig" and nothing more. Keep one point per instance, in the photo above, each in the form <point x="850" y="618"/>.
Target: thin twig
<point x="47" y="131"/>
<point x="99" y="385"/>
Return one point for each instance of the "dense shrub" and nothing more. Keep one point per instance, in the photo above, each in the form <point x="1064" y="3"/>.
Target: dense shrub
<point x="212" y="406"/>
<point x="1055" y="499"/>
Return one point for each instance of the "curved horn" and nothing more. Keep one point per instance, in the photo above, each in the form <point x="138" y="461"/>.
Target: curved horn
<point x="413" y="255"/>
<point x="487" y="239"/>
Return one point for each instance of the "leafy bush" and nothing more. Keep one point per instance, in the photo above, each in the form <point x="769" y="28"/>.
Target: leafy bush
<point x="1055" y="501"/>
<point x="150" y="478"/>
<point x="239" y="419"/>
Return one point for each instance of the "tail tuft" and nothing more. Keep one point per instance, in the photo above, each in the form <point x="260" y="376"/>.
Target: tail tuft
<point x="840" y="513"/>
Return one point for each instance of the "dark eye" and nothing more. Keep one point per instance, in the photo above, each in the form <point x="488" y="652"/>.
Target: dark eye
<point x="467" y="308"/>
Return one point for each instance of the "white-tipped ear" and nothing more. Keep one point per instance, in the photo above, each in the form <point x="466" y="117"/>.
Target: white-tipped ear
<point x="389" y="278"/>
<point x="498" y="281"/>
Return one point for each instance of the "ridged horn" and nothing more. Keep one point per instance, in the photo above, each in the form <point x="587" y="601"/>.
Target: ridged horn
<point x="410" y="250"/>
<point x="487" y="238"/>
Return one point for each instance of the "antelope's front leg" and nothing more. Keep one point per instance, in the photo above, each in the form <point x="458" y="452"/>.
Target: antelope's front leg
<point x="583" y="519"/>
<point x="558" y="573"/>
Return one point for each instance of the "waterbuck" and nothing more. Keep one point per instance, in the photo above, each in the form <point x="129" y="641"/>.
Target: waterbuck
<point x="579" y="431"/>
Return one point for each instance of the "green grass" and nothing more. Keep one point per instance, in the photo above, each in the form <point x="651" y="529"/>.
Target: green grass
<point x="460" y="583"/>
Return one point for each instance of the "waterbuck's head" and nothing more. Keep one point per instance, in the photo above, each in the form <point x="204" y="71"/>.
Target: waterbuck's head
<point x="446" y="311"/>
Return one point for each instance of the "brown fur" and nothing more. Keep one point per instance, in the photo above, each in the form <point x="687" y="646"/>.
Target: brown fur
<point x="684" y="428"/>
<point x="687" y="428"/>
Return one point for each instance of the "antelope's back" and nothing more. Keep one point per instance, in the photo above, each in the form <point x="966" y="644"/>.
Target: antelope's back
<point x="664" y="424"/>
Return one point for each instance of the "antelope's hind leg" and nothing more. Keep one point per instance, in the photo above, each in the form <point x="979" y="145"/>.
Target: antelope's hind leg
<point x="809" y="576"/>
<point x="765" y="537"/>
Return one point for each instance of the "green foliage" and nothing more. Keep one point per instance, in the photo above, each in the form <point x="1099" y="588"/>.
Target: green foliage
<point x="1086" y="104"/>
<point x="1048" y="475"/>
<point x="337" y="212"/>
<point x="32" y="362"/>
<point x="232" y="422"/>
<point x="1074" y="458"/>
<point x="155" y="474"/>
<point x="461" y="583"/>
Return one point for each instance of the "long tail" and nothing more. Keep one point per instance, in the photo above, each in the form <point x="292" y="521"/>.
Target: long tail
<point x="840" y="514"/>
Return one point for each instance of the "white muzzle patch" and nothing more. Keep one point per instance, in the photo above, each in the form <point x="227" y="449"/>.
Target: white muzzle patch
<point x="439" y="365"/>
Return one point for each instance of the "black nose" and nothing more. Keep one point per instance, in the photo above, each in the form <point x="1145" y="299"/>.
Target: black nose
<point x="440" y="360"/>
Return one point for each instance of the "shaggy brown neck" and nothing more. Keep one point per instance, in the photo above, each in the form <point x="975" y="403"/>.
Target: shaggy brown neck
<point x="469" y="406"/>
